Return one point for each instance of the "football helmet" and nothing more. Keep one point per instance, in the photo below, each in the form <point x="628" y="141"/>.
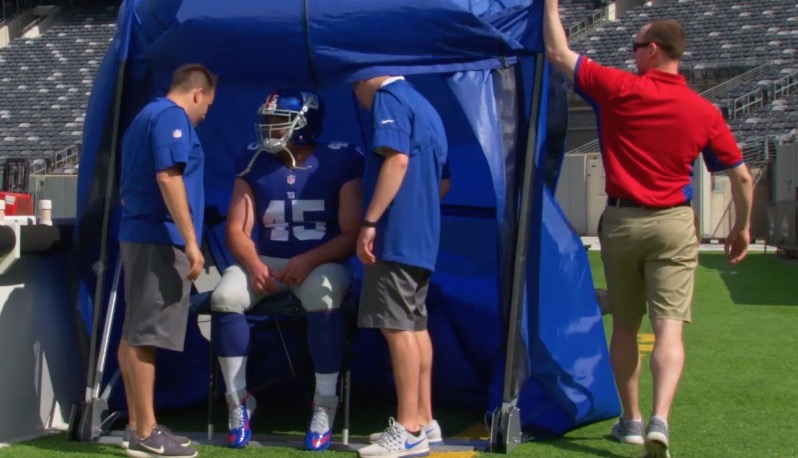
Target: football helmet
<point x="285" y="116"/>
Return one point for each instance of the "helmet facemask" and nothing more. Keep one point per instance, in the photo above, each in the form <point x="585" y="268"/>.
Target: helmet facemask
<point x="269" y="138"/>
<point x="286" y="117"/>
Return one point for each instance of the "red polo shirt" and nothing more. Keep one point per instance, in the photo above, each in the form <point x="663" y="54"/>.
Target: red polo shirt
<point x="651" y="129"/>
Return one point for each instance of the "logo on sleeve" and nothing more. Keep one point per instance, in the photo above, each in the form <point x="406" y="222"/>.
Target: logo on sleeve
<point x="386" y="121"/>
<point x="177" y="133"/>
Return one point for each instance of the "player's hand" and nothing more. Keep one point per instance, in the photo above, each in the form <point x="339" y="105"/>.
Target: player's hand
<point x="261" y="281"/>
<point x="195" y="261"/>
<point x="365" y="245"/>
<point x="296" y="270"/>
<point x="736" y="246"/>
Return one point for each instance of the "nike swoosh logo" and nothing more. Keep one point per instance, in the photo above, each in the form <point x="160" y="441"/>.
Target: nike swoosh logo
<point x="386" y="121"/>
<point x="408" y="445"/>
<point x="154" y="450"/>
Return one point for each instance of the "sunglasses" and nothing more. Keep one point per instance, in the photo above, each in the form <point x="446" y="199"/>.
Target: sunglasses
<point x="642" y="44"/>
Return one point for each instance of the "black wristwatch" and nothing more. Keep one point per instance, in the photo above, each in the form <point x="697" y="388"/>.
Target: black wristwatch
<point x="367" y="223"/>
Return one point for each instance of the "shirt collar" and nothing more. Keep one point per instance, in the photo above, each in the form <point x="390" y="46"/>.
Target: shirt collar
<point x="666" y="77"/>
<point x="391" y="80"/>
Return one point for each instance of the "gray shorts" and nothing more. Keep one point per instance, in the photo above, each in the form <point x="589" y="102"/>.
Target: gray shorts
<point x="393" y="296"/>
<point x="157" y="295"/>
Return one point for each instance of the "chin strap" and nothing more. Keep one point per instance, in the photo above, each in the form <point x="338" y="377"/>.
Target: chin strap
<point x="293" y="160"/>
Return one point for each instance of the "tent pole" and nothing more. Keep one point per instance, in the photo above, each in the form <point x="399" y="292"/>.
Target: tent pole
<point x="506" y="425"/>
<point x="95" y="407"/>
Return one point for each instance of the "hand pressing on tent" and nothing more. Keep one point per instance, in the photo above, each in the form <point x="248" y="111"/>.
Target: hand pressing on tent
<point x="296" y="270"/>
<point x="365" y="245"/>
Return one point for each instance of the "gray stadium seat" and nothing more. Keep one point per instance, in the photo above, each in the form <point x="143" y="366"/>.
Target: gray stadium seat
<point x="45" y="83"/>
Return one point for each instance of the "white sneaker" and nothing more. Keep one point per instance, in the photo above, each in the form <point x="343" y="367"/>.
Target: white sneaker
<point x="432" y="429"/>
<point x="396" y="442"/>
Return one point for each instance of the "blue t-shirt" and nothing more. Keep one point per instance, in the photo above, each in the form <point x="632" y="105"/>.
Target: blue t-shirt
<point x="160" y="136"/>
<point x="297" y="210"/>
<point x="403" y="120"/>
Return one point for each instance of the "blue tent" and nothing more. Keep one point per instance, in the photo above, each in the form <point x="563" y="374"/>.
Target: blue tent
<point x="512" y="280"/>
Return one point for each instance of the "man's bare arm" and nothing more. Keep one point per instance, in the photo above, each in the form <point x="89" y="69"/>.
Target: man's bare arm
<point x="742" y="188"/>
<point x="389" y="180"/>
<point x="557" y="50"/>
<point x="240" y="221"/>
<point x="173" y="190"/>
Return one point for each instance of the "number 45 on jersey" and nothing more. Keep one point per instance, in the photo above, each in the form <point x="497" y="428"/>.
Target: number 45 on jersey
<point x="274" y="219"/>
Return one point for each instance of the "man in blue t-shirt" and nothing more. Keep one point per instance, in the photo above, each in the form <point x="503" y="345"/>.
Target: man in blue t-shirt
<point x="398" y="245"/>
<point x="303" y="199"/>
<point x="162" y="197"/>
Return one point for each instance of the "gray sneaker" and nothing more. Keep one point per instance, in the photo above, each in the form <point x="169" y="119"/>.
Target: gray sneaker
<point x="160" y="443"/>
<point x="129" y="434"/>
<point x="628" y="431"/>
<point x="127" y="437"/>
<point x="656" y="439"/>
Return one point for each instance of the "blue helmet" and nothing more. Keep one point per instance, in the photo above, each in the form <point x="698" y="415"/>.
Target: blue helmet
<point x="302" y="113"/>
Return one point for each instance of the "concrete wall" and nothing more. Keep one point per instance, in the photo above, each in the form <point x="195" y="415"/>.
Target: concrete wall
<point x="62" y="190"/>
<point x="41" y="373"/>
<point x="13" y="28"/>
<point x="580" y="193"/>
<point x="46" y="16"/>
<point x="785" y="173"/>
<point x="29" y="24"/>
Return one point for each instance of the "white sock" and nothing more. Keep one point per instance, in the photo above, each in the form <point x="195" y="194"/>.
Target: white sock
<point x="234" y="370"/>
<point x="326" y="383"/>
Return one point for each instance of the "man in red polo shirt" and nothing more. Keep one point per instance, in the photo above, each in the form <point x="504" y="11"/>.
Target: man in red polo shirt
<point x="651" y="129"/>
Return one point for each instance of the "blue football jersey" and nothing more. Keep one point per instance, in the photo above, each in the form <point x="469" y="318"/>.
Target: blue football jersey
<point x="297" y="210"/>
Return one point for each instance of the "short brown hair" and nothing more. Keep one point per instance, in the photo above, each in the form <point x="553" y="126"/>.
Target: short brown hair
<point x="190" y="76"/>
<point x="668" y="34"/>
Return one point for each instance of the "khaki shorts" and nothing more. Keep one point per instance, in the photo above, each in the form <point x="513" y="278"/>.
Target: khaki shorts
<point x="650" y="258"/>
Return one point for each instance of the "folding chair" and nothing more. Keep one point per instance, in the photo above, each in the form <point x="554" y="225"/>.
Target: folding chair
<point x="281" y="306"/>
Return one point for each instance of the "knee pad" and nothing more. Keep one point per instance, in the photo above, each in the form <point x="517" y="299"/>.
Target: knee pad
<point x="325" y="288"/>
<point x="227" y="301"/>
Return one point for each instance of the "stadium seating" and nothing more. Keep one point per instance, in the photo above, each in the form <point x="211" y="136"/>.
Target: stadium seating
<point x="45" y="83"/>
<point x="735" y="35"/>
<point x="578" y="12"/>
<point x="718" y="31"/>
<point x="778" y="118"/>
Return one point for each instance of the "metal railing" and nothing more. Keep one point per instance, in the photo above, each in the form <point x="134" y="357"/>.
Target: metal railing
<point x="62" y="159"/>
<point x="575" y="31"/>
<point x="589" y="147"/>
<point x="760" y="151"/>
<point x="785" y="85"/>
<point x="755" y="74"/>
<point x="760" y="97"/>
<point x="747" y="102"/>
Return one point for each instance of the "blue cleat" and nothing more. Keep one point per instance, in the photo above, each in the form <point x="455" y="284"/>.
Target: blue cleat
<point x="319" y="434"/>
<point x="240" y="410"/>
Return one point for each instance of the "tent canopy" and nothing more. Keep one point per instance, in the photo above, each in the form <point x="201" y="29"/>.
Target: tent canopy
<point x="479" y="63"/>
<point x="323" y="43"/>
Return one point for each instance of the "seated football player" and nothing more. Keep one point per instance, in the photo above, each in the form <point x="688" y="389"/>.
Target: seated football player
<point x="304" y="199"/>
